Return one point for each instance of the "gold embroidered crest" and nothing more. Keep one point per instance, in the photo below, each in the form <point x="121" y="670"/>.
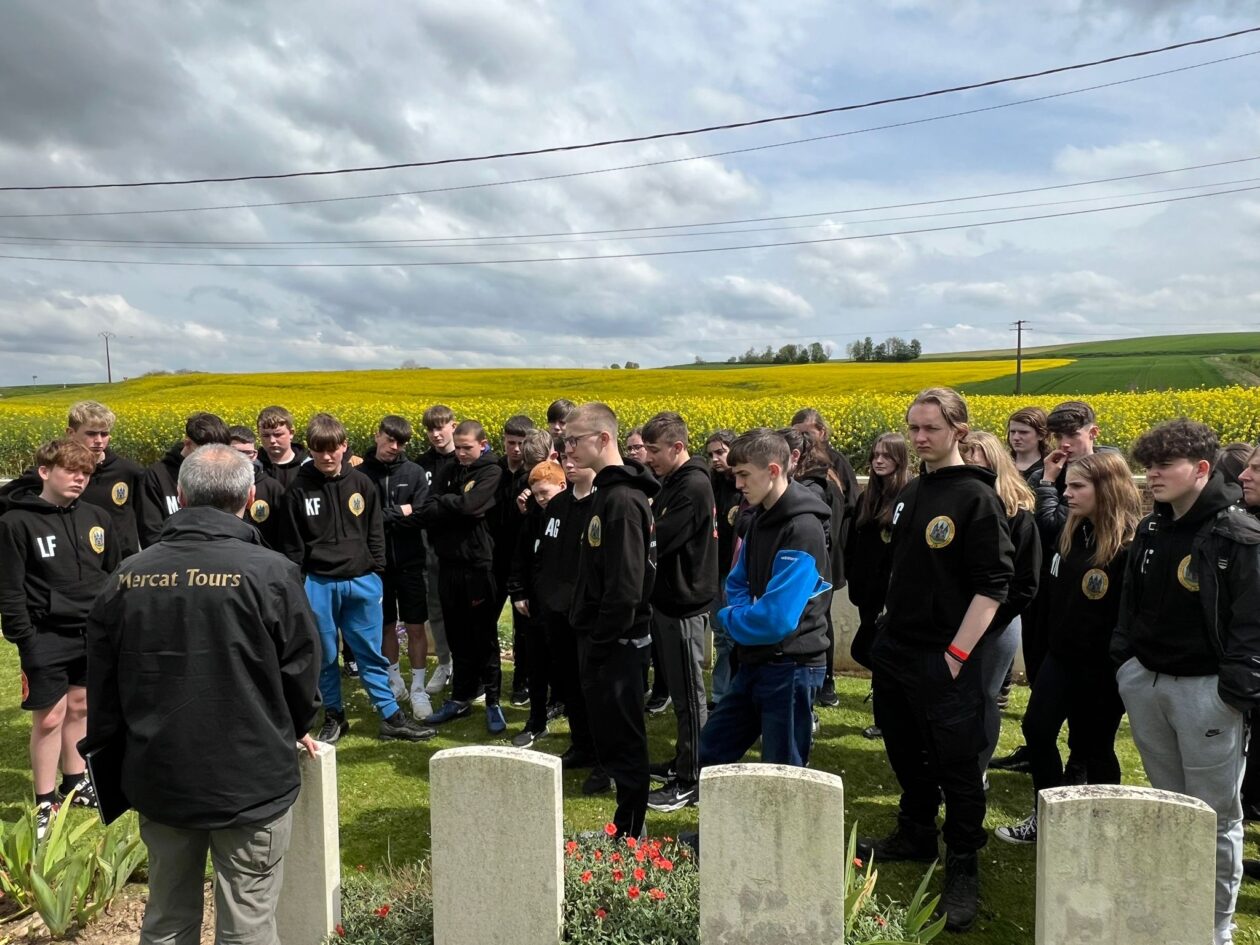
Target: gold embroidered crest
<point x="1095" y="583"/>
<point x="356" y="504"/>
<point x="96" y="538"/>
<point x="260" y="511"/>
<point x="732" y="515"/>
<point x="940" y="531"/>
<point x="594" y="532"/>
<point x="118" y="492"/>
<point x="468" y="486"/>
<point x="1187" y="576"/>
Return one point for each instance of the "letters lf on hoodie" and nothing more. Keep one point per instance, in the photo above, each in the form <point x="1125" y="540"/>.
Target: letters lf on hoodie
<point x="332" y="525"/>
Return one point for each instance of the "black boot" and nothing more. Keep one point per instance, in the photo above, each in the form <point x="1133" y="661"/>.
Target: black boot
<point x="1015" y="761"/>
<point x="827" y="694"/>
<point x="961" y="899"/>
<point x="907" y="842"/>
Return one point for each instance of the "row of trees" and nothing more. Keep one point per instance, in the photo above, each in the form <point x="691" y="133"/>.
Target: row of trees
<point x="814" y="353"/>
<point x="892" y="349"/>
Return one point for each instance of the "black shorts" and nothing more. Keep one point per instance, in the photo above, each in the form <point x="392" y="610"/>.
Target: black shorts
<point x="405" y="595"/>
<point x="53" y="663"/>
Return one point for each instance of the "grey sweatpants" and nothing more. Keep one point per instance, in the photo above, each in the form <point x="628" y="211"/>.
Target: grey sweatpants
<point x="248" y="873"/>
<point x="995" y="661"/>
<point x="1192" y="742"/>
<point x="441" y="649"/>
<point x="681" y="642"/>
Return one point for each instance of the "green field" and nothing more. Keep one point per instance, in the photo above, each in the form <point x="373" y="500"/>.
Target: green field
<point x="1101" y="375"/>
<point x="1204" y="345"/>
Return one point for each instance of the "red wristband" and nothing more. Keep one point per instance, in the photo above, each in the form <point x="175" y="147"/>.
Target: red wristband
<point x="957" y="653"/>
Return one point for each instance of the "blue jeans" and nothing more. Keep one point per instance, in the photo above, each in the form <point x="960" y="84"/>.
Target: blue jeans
<point x="722" y="649"/>
<point x="354" y="606"/>
<point x="770" y="701"/>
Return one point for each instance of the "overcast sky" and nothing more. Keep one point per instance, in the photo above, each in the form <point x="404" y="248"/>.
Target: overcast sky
<point x="99" y="92"/>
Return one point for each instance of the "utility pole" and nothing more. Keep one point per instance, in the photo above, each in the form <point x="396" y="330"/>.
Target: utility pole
<point x="109" y="371"/>
<point x="1019" y="330"/>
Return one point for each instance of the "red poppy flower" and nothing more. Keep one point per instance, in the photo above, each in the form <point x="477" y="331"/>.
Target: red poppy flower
<point x="382" y="911"/>
<point x="601" y="914"/>
<point x="668" y="865"/>
<point x="599" y="854"/>
<point x="631" y="842"/>
<point x="610" y="829"/>
<point x="586" y="877"/>
<point x="632" y="892"/>
<point x="657" y="894"/>
<point x="571" y="847"/>
<point x="639" y="874"/>
<point x="340" y="930"/>
<point x="616" y="858"/>
<point x="857" y="861"/>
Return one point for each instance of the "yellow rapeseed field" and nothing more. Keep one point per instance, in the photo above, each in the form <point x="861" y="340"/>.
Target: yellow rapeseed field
<point x="859" y="400"/>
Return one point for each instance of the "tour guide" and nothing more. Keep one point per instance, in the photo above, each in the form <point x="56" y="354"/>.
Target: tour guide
<point x="207" y="631"/>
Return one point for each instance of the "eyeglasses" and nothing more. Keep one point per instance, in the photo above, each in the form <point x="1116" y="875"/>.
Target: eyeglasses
<point x="636" y="448"/>
<point x="572" y="441"/>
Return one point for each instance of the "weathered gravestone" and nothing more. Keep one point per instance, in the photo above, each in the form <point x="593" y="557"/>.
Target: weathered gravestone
<point x="1120" y="865"/>
<point x="310" y="900"/>
<point x="497" y="827"/>
<point x="772" y="863"/>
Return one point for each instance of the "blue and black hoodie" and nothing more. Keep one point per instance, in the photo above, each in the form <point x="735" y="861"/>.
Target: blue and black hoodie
<point x="778" y="594"/>
<point x="332" y="525"/>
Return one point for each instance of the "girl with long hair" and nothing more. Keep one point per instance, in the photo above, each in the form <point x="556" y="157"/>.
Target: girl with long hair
<point x="1002" y="639"/>
<point x="1026" y="434"/>
<point x="1077" y="681"/>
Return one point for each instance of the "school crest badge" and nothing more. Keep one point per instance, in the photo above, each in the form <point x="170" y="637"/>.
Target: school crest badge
<point x="356" y="504"/>
<point x="1187" y="575"/>
<point x="468" y="486"/>
<point x="119" y="492"/>
<point x="885" y="535"/>
<point x="1095" y="583"/>
<point x="732" y="515"/>
<point x="96" y="538"/>
<point x="940" y="531"/>
<point x="260" y="511"/>
<point x="594" y="532"/>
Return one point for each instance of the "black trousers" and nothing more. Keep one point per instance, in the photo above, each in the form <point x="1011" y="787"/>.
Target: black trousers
<point x="933" y="729"/>
<point x="612" y="680"/>
<point x="567" y="681"/>
<point x="541" y="669"/>
<point x="1034" y="634"/>
<point x="472" y="629"/>
<point x="864" y="639"/>
<point x="521" y="636"/>
<point x="831" y="646"/>
<point x="1084" y="695"/>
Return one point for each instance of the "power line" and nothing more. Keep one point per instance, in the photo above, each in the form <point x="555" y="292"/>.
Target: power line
<point x="613" y="256"/>
<point x="274" y="246"/>
<point x="649" y="137"/>
<point x="622" y="167"/>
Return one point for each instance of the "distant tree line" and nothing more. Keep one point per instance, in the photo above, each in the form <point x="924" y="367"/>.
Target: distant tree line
<point x="814" y="353"/>
<point x="892" y="349"/>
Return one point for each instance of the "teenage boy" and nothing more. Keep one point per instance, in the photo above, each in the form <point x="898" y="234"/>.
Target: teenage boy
<point x="458" y="513"/>
<point x="557" y="413"/>
<point x="116" y="483"/>
<point x="537" y="589"/>
<point x="56" y="553"/>
<point x="612" y="613"/>
<point x="160" y="499"/>
<point x="262" y="511"/>
<point x="282" y="456"/>
<point x="686" y="583"/>
<point x="401" y="487"/>
<point x="777" y="597"/>
<point x="728" y="499"/>
<point x="439" y="429"/>
<point x="513" y="482"/>
<point x="952" y="562"/>
<point x="333" y="528"/>
<point x="1187" y="640"/>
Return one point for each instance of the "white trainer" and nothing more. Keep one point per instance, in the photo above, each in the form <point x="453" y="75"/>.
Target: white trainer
<point x="397" y="685"/>
<point x="441" y="676"/>
<point x="421" y="707"/>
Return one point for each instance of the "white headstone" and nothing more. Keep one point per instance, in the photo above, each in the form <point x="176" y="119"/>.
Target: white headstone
<point x="310" y="900"/>
<point x="772" y="850"/>
<point x="497" y="827"/>
<point x="1119" y="865"/>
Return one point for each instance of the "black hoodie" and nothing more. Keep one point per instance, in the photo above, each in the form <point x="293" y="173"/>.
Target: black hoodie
<point x="160" y="499"/>
<point x="459" y="512"/>
<point x="264" y="513"/>
<point x="1191" y="601"/>
<point x="115" y="486"/>
<point x="778" y="594"/>
<point x="548" y="548"/>
<point x="507" y="520"/>
<point x="686" y="542"/>
<point x="399" y="483"/>
<point x="951" y="541"/>
<point x="53" y="561"/>
<point x="285" y="473"/>
<point x="617" y="565"/>
<point x="332" y="525"/>
<point x="436" y="464"/>
<point x="832" y="495"/>
<point x="1084" y="601"/>
<point x="204" y="632"/>
<point x="728" y="499"/>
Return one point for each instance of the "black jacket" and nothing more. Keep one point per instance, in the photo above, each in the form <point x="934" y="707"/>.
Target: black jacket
<point x="435" y="464"/>
<point x="285" y="473"/>
<point x="332" y="525"/>
<point x="548" y="548"/>
<point x="203" y="659"/>
<point x="686" y="542"/>
<point x="728" y="500"/>
<point x="160" y="498"/>
<point x="1051" y="511"/>
<point x="838" y="525"/>
<point x="1221" y="570"/>
<point x="777" y="594"/>
<point x="53" y="561"/>
<point x="507" y="519"/>
<point x="950" y="541"/>
<point x="868" y="563"/>
<point x="399" y="483"/>
<point x="264" y="513"/>
<point x="459" y="512"/>
<point x="617" y="565"/>
<point x="1084" y="602"/>
<point x="1026" y="578"/>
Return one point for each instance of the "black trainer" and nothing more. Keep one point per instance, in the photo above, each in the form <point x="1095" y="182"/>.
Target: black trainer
<point x="519" y="697"/>
<point x="555" y="710"/>
<point x="399" y="728"/>
<point x="1015" y="761"/>
<point x="85" y="795"/>
<point x="1075" y="774"/>
<point x="906" y="842"/>
<point x="827" y="694"/>
<point x="525" y="737"/>
<point x="873" y="732"/>
<point x="674" y="796"/>
<point x="657" y="704"/>
<point x="662" y="771"/>
<point x="597" y="782"/>
<point x="573" y="758"/>
<point x="335" y="725"/>
<point x="961" y="899"/>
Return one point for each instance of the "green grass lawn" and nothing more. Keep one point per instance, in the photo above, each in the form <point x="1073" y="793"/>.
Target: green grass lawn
<point x="384" y="797"/>
<point x="1102" y="375"/>
<point x="1206" y="343"/>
